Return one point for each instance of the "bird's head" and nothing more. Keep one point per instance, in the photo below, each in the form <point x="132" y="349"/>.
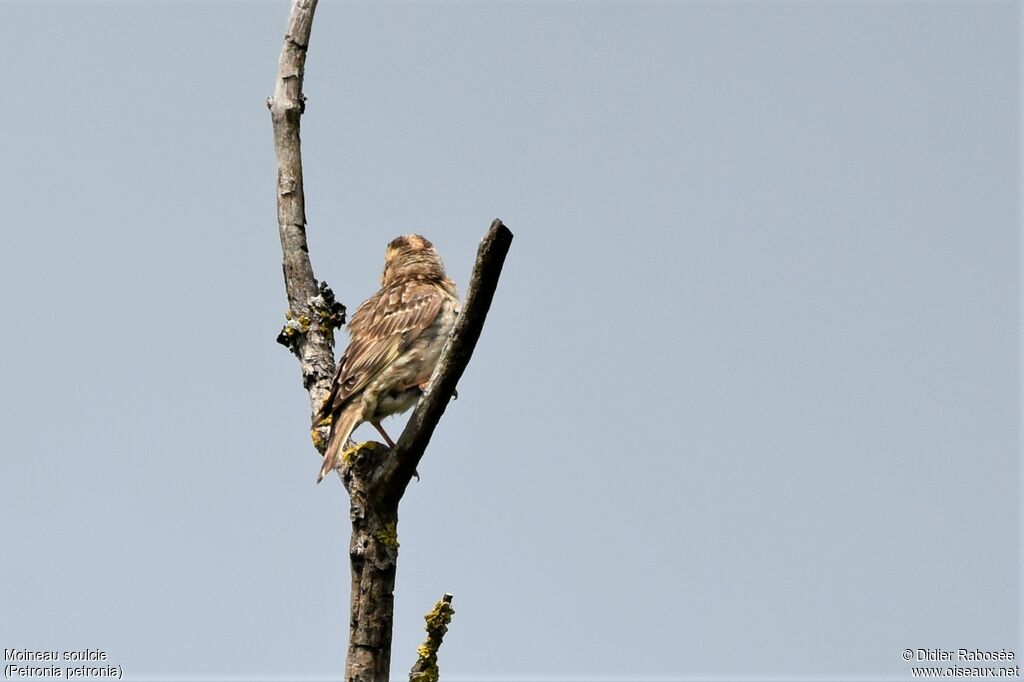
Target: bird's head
<point x="412" y="257"/>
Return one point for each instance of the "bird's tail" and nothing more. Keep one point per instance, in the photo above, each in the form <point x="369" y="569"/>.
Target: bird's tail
<point x="341" y="429"/>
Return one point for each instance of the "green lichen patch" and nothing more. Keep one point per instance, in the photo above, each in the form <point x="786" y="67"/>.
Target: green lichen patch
<point x="388" y="535"/>
<point x="425" y="669"/>
<point x="294" y="328"/>
<point x="329" y="313"/>
<point x="319" y="442"/>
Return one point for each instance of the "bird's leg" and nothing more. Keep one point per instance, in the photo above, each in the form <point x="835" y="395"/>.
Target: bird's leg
<point x="381" y="431"/>
<point x="391" y="444"/>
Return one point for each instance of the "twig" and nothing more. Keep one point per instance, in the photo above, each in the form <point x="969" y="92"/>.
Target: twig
<point x="425" y="668"/>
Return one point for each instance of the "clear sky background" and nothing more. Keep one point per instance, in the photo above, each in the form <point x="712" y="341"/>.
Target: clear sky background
<point x="746" y="404"/>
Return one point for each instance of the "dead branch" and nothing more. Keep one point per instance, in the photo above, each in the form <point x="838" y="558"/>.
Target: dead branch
<point x="425" y="668"/>
<point x="313" y="314"/>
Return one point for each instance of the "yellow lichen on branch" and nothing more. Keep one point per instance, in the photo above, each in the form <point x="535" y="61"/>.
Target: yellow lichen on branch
<point x="388" y="535"/>
<point x="425" y="669"/>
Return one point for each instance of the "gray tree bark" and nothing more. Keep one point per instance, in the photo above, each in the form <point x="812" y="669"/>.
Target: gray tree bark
<point x="313" y="314"/>
<point x="374" y="476"/>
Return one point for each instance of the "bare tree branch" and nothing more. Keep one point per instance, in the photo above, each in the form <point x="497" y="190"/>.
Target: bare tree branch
<point x="313" y="314"/>
<point x="425" y="668"/>
<point x="399" y="468"/>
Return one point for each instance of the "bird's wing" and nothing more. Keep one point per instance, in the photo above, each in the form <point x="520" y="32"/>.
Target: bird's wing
<point x="379" y="331"/>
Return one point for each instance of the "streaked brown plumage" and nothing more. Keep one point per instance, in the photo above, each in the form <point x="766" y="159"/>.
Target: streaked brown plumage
<point x="395" y="340"/>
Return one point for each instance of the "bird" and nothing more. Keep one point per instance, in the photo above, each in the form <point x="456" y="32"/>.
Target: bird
<point x="395" y="341"/>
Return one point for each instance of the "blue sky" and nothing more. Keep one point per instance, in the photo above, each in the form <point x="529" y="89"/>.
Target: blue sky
<point x="746" y="405"/>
